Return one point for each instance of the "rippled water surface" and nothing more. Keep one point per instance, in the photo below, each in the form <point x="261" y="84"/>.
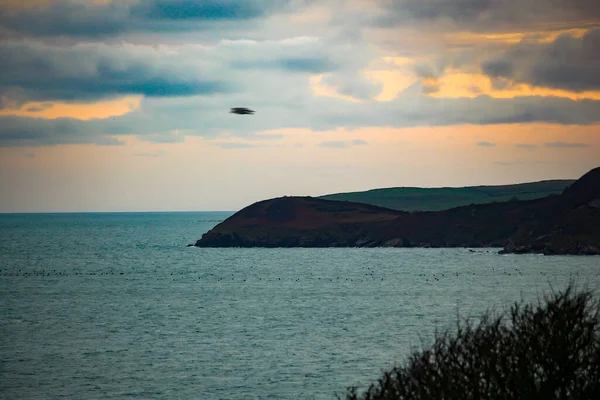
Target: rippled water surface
<point x="115" y="306"/>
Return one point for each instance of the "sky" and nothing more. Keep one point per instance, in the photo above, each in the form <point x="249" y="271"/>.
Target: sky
<point x="124" y="105"/>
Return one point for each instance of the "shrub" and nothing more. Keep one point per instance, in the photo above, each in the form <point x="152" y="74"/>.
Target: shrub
<point x="549" y="350"/>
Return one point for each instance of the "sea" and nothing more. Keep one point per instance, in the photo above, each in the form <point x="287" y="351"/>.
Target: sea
<point x="115" y="306"/>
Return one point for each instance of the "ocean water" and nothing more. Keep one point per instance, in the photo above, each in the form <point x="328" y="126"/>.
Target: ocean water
<point x="99" y="306"/>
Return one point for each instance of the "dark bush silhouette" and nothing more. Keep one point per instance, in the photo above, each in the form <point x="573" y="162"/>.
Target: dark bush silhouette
<point x="549" y="350"/>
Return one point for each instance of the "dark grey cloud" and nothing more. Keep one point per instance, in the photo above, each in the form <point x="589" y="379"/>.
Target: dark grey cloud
<point x="490" y="15"/>
<point x="486" y="144"/>
<point x="41" y="107"/>
<point x="67" y="18"/>
<point x="38" y="72"/>
<point x="483" y="110"/>
<point x="431" y="70"/>
<point x="96" y="20"/>
<point x="34" y="132"/>
<point x="312" y="65"/>
<point x="353" y="85"/>
<point x="302" y="54"/>
<point x="531" y="109"/>
<point x="323" y="113"/>
<point x="457" y="10"/>
<point x="309" y="64"/>
<point x="199" y="10"/>
<point x="568" y="63"/>
<point x="566" y="145"/>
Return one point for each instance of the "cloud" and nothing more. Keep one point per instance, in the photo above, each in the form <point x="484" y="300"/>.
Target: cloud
<point x="41" y="107"/>
<point x="235" y="145"/>
<point x="190" y="87"/>
<point x="175" y="136"/>
<point x="353" y="85"/>
<point x="94" y="71"/>
<point x="341" y="144"/>
<point x="157" y="118"/>
<point x="86" y="19"/>
<point x="263" y="136"/>
<point x="407" y="111"/>
<point x="34" y="132"/>
<point x="486" y="144"/>
<point x="526" y="146"/>
<point x="303" y="54"/>
<point x="66" y="18"/>
<point x="196" y="10"/>
<point x="488" y="15"/>
<point x="508" y="40"/>
<point x="565" y="145"/>
<point x="337" y="144"/>
<point x="310" y="64"/>
<point x="86" y="72"/>
<point x="157" y="153"/>
<point x="568" y="63"/>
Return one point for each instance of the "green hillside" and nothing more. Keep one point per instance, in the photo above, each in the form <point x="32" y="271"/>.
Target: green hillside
<point x="435" y="199"/>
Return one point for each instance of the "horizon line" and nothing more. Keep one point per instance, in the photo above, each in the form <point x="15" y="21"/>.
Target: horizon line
<point x="117" y="212"/>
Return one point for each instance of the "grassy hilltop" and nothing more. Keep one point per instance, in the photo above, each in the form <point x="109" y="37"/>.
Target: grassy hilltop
<point x="436" y="199"/>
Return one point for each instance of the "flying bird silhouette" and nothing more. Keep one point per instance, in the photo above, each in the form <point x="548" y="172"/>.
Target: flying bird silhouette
<point x="241" y="111"/>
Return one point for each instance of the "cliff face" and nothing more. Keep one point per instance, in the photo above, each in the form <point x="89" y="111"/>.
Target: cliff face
<point x="572" y="228"/>
<point x="564" y="224"/>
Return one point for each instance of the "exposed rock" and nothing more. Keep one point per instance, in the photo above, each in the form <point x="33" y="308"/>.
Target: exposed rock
<point x="397" y="242"/>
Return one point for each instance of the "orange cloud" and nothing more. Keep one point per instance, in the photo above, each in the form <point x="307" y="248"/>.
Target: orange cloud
<point x="472" y="38"/>
<point x="321" y="89"/>
<point x="393" y="82"/>
<point x="455" y="84"/>
<point x="399" y="61"/>
<point x="81" y="111"/>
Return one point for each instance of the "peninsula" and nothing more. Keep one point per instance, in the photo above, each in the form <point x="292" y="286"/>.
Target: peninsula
<point x="565" y="223"/>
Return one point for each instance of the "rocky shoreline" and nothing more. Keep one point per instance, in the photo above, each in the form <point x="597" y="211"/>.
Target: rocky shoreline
<point x="550" y="249"/>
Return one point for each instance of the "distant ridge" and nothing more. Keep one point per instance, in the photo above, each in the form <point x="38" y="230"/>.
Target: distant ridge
<point x="444" y="198"/>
